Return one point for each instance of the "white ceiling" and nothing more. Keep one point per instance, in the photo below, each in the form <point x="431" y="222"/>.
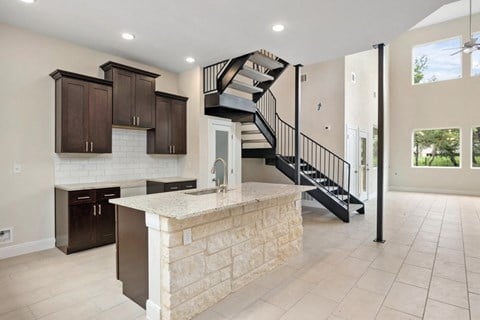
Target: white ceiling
<point x="167" y="31"/>
<point x="451" y="11"/>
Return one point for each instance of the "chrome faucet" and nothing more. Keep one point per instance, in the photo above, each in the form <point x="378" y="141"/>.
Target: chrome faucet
<point x="222" y="187"/>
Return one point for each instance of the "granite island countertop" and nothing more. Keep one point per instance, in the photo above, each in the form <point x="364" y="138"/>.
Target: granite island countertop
<point x="121" y="183"/>
<point x="182" y="205"/>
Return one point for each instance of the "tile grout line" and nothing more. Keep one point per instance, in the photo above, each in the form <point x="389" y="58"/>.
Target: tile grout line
<point x="465" y="262"/>
<point x="403" y="263"/>
<point x="434" y="261"/>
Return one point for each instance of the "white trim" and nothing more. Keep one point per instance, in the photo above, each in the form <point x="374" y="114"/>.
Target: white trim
<point x="433" y="190"/>
<point x="152" y="220"/>
<point x="26" y="247"/>
<point x="153" y="310"/>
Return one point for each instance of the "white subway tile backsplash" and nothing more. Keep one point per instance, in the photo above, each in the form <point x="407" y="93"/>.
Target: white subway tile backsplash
<point x="128" y="161"/>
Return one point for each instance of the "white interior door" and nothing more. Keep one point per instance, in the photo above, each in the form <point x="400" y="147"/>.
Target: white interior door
<point x="363" y="165"/>
<point x="221" y="146"/>
<point x="352" y="158"/>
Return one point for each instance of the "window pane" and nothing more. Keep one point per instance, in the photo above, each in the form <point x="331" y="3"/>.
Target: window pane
<point x="476" y="58"/>
<point x="433" y="61"/>
<point x="476" y="147"/>
<point x="436" y="148"/>
<point x="375" y="147"/>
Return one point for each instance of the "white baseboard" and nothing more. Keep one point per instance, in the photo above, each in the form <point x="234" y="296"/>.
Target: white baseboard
<point x="433" y="190"/>
<point x="26" y="247"/>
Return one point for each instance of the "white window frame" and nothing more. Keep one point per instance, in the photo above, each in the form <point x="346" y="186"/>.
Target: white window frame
<point x="471" y="148"/>
<point x="412" y="61"/>
<point x="412" y="141"/>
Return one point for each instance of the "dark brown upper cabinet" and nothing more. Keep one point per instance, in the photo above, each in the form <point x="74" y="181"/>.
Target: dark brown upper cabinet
<point x="133" y="95"/>
<point x="170" y="134"/>
<point x="83" y="113"/>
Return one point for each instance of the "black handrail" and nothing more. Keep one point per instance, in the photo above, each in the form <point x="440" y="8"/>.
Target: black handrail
<point x="321" y="166"/>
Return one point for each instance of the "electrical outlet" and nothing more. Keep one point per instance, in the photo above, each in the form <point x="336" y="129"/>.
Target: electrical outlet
<point x="187" y="236"/>
<point x="6" y="235"/>
<point x="17" y="168"/>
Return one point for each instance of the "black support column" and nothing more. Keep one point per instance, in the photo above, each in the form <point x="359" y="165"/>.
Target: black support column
<point x="381" y="141"/>
<point x="298" y="104"/>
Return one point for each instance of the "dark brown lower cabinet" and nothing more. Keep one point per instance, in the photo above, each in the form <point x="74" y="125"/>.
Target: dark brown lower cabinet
<point x="84" y="219"/>
<point x="132" y="244"/>
<point x="132" y="254"/>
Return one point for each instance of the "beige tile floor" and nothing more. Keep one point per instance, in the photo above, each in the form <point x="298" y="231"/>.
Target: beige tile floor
<point x="429" y="268"/>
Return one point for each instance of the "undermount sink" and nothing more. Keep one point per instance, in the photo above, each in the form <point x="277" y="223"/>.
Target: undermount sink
<point x="202" y="192"/>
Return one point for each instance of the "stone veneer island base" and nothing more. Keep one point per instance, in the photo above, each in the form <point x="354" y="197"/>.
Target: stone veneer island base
<point x="236" y="238"/>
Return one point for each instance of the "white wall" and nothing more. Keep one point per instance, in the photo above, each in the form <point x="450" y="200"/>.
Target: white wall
<point x="361" y="102"/>
<point x="27" y="126"/>
<point x="128" y="161"/>
<point x="452" y="103"/>
<point x="190" y="85"/>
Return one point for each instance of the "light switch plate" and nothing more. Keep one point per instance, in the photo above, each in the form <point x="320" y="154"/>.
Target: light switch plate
<point x="17" y="168"/>
<point x="187" y="236"/>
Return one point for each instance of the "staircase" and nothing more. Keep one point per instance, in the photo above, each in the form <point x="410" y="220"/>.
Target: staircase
<point x="239" y="89"/>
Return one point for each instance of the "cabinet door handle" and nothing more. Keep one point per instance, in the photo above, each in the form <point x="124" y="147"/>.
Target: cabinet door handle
<point x="169" y="149"/>
<point x="94" y="210"/>
<point x="133" y="120"/>
<point x="138" y="121"/>
<point x="99" y="209"/>
<point x="189" y="186"/>
<point x="86" y="146"/>
<point x="173" y="188"/>
<point x="83" y="198"/>
<point x="91" y="146"/>
<point x="173" y="148"/>
<point x="109" y="195"/>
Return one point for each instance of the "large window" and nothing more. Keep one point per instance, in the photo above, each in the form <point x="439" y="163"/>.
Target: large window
<point x="476" y="58"/>
<point x="476" y="147"/>
<point x="436" y="148"/>
<point x="433" y="62"/>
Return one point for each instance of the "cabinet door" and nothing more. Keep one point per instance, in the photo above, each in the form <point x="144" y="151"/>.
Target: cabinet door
<point x="74" y="115"/>
<point x="178" y="127"/>
<point x="145" y="101"/>
<point x="159" y="139"/>
<point x="81" y="227"/>
<point x="100" y="118"/>
<point x="123" y="97"/>
<point x="105" y="223"/>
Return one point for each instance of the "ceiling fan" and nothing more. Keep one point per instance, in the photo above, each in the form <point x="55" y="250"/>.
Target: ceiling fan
<point x="472" y="44"/>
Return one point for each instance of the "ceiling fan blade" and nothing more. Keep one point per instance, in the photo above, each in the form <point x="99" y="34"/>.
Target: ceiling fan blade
<point x="456" y="52"/>
<point x="456" y="48"/>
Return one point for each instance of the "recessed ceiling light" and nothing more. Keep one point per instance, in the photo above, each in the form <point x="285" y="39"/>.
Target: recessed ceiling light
<point x="190" y="60"/>
<point x="28" y="1"/>
<point x="128" y="36"/>
<point x="278" y="27"/>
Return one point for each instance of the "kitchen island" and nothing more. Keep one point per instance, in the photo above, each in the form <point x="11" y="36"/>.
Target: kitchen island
<point x="202" y="246"/>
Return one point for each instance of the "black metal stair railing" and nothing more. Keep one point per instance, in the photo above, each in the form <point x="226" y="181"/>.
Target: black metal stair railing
<point x="267" y="108"/>
<point x="324" y="168"/>
<point x="210" y="76"/>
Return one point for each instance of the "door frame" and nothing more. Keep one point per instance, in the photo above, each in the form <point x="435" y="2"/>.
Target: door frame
<point x="362" y="133"/>
<point x="215" y="124"/>
<point x="353" y="166"/>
